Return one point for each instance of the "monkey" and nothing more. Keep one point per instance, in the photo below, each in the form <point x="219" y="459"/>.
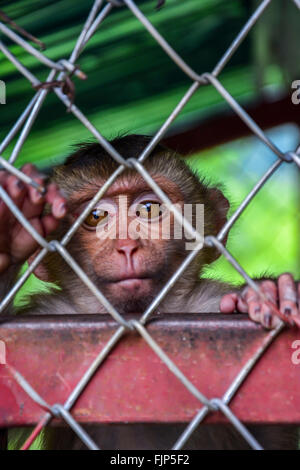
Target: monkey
<point x="128" y="268"/>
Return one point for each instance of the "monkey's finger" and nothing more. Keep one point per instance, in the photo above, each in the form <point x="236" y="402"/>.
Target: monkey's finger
<point x="270" y="290"/>
<point x="24" y="196"/>
<point x="52" y="196"/>
<point x="4" y="210"/>
<point x="49" y="223"/>
<point x="4" y="262"/>
<point x="16" y="189"/>
<point x="253" y="301"/>
<point x="241" y="305"/>
<point x="3" y="176"/>
<point x="56" y="200"/>
<point x="287" y="295"/>
<point x="30" y="170"/>
<point x="31" y="210"/>
<point x="267" y="317"/>
<point x="296" y="318"/>
<point x="257" y="309"/>
<point x="23" y="243"/>
<point x="17" y="192"/>
<point x="228" y="303"/>
<point x="233" y="303"/>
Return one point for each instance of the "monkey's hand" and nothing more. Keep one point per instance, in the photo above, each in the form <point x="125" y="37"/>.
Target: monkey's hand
<point x="283" y="293"/>
<point x="16" y="244"/>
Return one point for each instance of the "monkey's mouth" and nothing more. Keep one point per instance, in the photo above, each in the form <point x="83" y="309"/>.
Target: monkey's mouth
<point x="131" y="283"/>
<point x="130" y="279"/>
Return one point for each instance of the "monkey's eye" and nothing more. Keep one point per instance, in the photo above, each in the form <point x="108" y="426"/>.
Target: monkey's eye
<point x="149" y="210"/>
<point x="95" y="217"/>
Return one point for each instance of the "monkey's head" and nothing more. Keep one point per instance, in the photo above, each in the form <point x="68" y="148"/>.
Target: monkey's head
<point x="129" y="244"/>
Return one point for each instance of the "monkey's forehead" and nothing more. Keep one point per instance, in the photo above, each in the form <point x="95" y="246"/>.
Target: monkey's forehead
<point x="128" y="184"/>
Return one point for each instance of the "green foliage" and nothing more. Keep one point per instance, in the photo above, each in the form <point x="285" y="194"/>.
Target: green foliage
<point x="265" y="239"/>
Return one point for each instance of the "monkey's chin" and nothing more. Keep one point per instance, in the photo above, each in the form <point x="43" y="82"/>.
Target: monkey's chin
<point x="133" y="287"/>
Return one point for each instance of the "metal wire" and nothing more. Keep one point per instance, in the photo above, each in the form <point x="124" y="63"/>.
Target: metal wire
<point x="62" y="67"/>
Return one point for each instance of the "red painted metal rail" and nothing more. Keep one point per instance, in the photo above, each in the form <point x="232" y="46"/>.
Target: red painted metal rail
<point x="133" y="385"/>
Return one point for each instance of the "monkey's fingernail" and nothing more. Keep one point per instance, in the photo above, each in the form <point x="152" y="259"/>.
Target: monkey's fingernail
<point x="37" y="197"/>
<point x="287" y="311"/>
<point x="267" y="319"/>
<point x="62" y="209"/>
<point x="257" y="309"/>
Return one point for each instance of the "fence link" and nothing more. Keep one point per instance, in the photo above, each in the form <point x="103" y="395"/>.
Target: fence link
<point x="59" y="72"/>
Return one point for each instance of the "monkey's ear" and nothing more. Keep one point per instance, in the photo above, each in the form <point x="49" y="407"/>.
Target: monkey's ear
<point x="220" y="206"/>
<point x="41" y="271"/>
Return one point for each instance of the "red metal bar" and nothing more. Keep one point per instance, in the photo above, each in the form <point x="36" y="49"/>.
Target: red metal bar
<point x="133" y="385"/>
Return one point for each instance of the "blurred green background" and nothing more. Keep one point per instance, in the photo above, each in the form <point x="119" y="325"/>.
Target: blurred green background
<point x="133" y="86"/>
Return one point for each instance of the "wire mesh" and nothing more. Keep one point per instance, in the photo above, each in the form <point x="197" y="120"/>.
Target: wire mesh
<point x="59" y="70"/>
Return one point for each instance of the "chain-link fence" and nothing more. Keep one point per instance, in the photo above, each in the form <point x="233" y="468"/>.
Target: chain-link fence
<point x="59" y="74"/>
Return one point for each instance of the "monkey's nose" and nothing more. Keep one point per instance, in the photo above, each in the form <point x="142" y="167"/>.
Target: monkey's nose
<point x="127" y="247"/>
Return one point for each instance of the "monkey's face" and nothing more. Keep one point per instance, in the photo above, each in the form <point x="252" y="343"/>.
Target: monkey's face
<point x="128" y="241"/>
